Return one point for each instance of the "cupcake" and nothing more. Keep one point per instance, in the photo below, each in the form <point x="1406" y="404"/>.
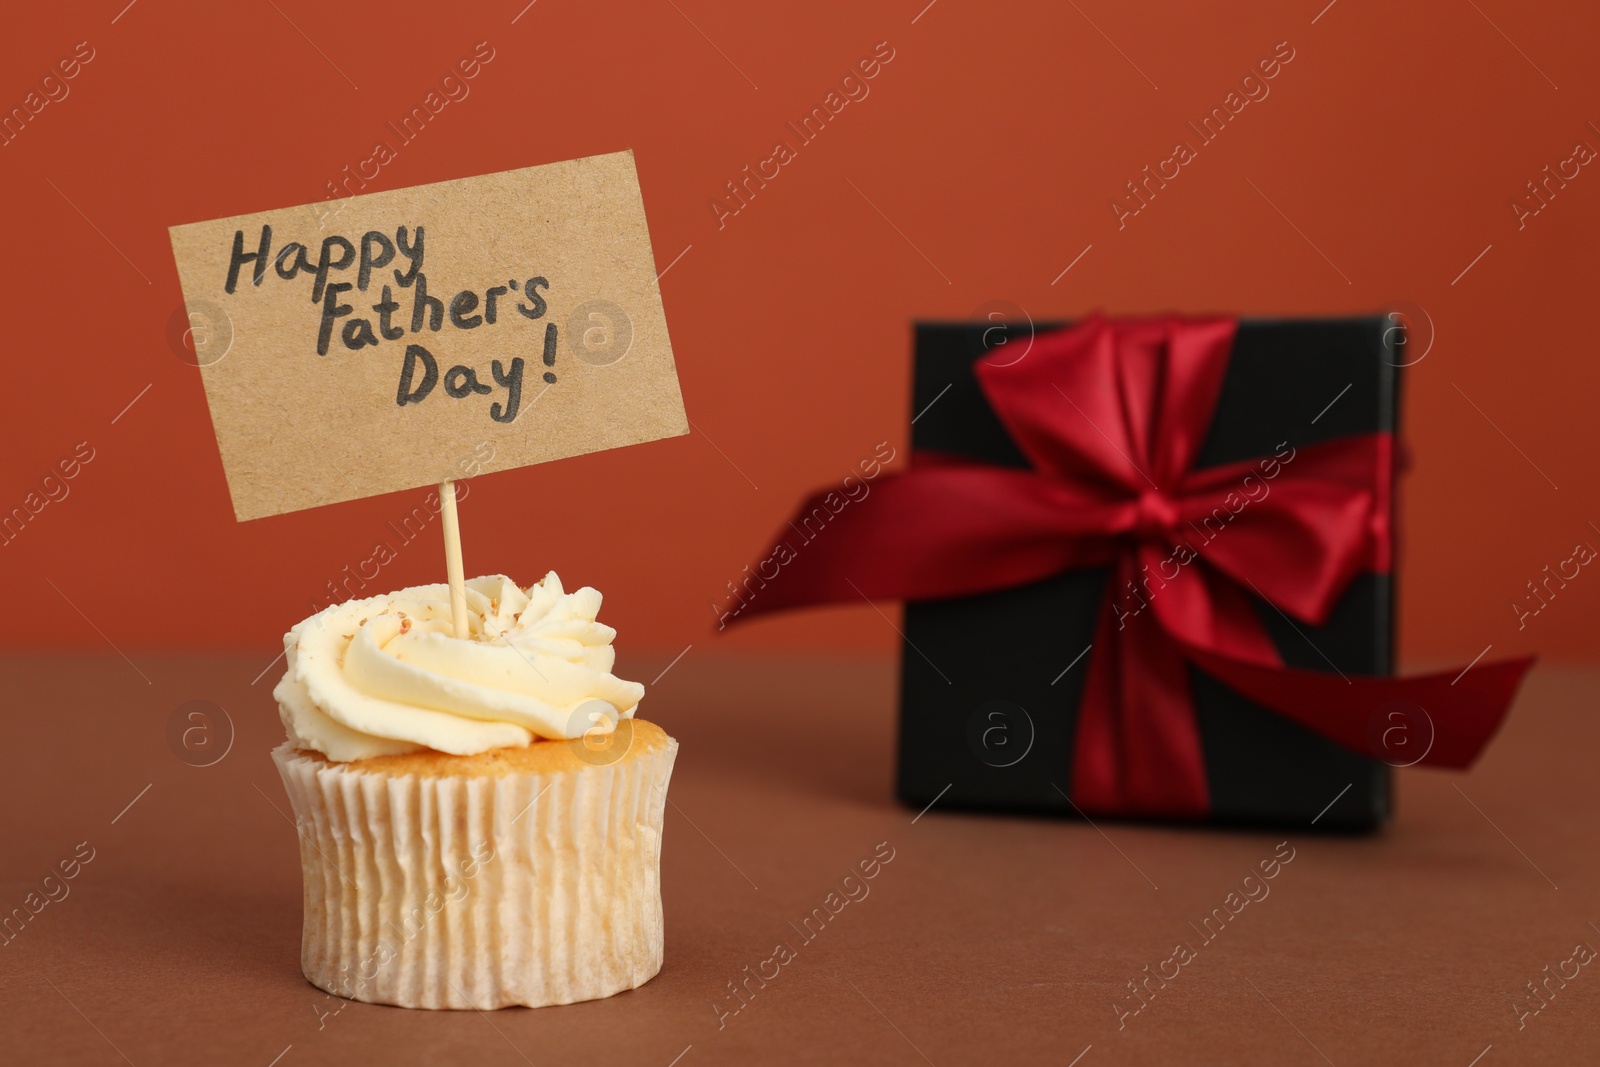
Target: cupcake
<point x="479" y="819"/>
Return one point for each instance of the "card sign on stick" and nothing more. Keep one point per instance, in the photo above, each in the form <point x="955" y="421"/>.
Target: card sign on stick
<point x="414" y="336"/>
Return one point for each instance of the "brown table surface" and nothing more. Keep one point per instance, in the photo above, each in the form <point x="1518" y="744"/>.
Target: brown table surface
<point x="985" y="940"/>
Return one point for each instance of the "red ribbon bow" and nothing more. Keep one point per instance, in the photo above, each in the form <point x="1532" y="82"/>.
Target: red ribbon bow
<point x="1112" y="414"/>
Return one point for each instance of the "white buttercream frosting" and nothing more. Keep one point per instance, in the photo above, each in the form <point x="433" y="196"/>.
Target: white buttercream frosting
<point x="385" y="675"/>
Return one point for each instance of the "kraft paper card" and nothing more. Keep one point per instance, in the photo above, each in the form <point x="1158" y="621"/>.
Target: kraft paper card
<point x="396" y="339"/>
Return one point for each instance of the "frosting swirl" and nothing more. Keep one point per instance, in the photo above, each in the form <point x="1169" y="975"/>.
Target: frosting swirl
<point x="385" y="675"/>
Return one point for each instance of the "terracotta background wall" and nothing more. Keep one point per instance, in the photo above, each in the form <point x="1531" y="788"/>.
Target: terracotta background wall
<point x="1382" y="166"/>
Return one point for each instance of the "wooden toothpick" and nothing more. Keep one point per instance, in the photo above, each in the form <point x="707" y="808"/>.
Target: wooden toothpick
<point x="452" y="557"/>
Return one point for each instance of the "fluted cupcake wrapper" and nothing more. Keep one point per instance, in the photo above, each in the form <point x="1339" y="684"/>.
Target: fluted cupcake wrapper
<point x="484" y="891"/>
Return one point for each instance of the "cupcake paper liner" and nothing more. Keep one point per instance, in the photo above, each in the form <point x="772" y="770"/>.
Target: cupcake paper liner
<point x="486" y="891"/>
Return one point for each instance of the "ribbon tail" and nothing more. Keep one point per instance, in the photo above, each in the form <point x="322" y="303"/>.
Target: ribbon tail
<point x="1137" y="749"/>
<point x="1448" y="717"/>
<point x="928" y="534"/>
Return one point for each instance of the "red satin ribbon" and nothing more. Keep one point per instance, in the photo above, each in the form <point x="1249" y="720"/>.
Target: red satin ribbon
<point x="1112" y="414"/>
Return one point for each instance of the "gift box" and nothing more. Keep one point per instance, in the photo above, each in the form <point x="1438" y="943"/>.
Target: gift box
<point x="1147" y="566"/>
<point x="993" y="725"/>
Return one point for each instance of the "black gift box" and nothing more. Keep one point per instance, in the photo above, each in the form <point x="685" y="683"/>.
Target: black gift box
<point x="993" y="725"/>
